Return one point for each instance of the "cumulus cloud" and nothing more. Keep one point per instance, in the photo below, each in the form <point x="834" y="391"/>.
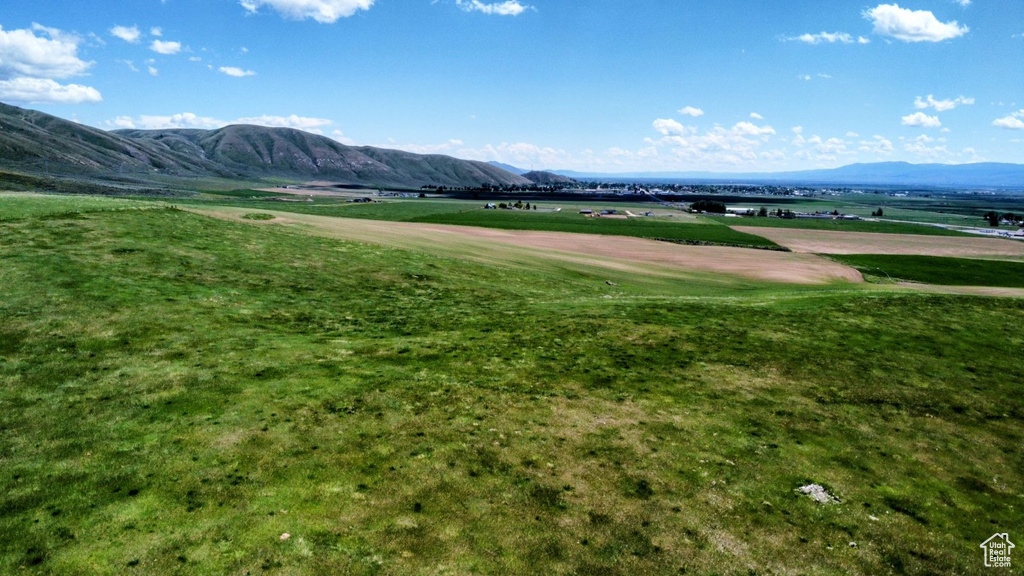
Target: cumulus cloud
<point x="920" y="119"/>
<point x="750" y="129"/>
<point x="823" y="38"/>
<point x="691" y="111"/>
<point x="756" y="116"/>
<point x="518" y="154"/>
<point x="236" y="72"/>
<point x="323" y="11"/>
<point x="941" y="105"/>
<point x="166" y="48"/>
<point x="669" y="127"/>
<point x="31" y="61"/>
<point x="45" y="90"/>
<point x="507" y="8"/>
<point x="879" y="145"/>
<point x="1013" y="121"/>
<point x="912" y="25"/>
<point x="190" y="120"/>
<point x="51" y="55"/>
<point x="129" y="34"/>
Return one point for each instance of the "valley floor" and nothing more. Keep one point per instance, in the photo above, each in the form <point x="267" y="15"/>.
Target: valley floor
<point x="188" y="394"/>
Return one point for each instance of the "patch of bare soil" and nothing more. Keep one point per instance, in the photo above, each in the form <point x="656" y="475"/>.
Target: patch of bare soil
<point x="834" y="242"/>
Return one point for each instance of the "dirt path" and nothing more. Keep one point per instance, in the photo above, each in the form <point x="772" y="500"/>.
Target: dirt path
<point x="834" y="242"/>
<point x="634" y="255"/>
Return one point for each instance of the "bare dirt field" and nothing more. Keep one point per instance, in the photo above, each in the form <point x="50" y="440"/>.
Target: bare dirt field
<point x="634" y="255"/>
<point x="829" y="242"/>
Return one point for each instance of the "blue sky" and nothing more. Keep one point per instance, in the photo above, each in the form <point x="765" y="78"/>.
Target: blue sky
<point x="602" y="85"/>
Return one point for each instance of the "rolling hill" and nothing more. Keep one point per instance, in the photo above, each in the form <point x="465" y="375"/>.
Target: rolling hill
<point x="547" y="178"/>
<point x="36" y="143"/>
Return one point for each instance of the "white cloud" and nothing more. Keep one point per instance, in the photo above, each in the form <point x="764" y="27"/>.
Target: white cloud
<point x="1014" y="121"/>
<point x="797" y="130"/>
<point x="964" y="3"/>
<point x="46" y="91"/>
<point x="521" y="154"/>
<point x="129" y="34"/>
<point x="506" y="8"/>
<point x="323" y="11"/>
<point x="921" y="119"/>
<point x="879" y="145"/>
<point x="691" y="111"/>
<point x="166" y="48"/>
<point x="823" y="38"/>
<point x="153" y="71"/>
<point x="236" y="72"/>
<point x="22" y="53"/>
<point x="340" y="137"/>
<point x="292" y="121"/>
<point x="749" y="129"/>
<point x="156" y="31"/>
<point x="806" y="77"/>
<point x="852" y="134"/>
<point x="863" y="40"/>
<point x="912" y="25"/>
<point x="190" y="120"/>
<point x="30" y="65"/>
<point x="756" y="116"/>
<point x="669" y="127"/>
<point x="941" y="105"/>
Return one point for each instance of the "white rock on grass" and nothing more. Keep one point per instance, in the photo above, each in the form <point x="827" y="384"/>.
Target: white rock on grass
<point x="818" y="493"/>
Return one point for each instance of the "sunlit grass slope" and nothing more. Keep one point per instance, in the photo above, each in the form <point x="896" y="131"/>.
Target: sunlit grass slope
<point x="184" y="395"/>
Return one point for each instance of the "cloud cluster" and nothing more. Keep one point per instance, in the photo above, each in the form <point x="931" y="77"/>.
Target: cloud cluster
<point x="506" y="8"/>
<point x="941" y="105"/>
<point x="323" y="11"/>
<point x="922" y="120"/>
<point x="31" y="62"/>
<point x="829" y="38"/>
<point x="912" y="25"/>
<point x="235" y="71"/>
<point x="130" y="34"/>
<point x="166" y="48"/>
<point x="1012" y="121"/>
<point x="190" y="120"/>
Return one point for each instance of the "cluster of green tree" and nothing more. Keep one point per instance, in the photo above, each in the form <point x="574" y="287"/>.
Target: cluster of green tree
<point x="708" y="206"/>
<point x="994" y="218"/>
<point x="878" y="212"/>
<point x="518" y="206"/>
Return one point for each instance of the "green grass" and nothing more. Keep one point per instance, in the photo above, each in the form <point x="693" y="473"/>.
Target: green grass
<point x="939" y="270"/>
<point x="843" y="225"/>
<point x="177" y="392"/>
<point x="462" y="213"/>
<point x="19" y="205"/>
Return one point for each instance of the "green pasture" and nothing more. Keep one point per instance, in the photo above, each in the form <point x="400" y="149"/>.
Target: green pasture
<point x="186" y="395"/>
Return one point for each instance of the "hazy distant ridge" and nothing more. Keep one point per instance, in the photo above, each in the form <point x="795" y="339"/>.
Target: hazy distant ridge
<point x="981" y="174"/>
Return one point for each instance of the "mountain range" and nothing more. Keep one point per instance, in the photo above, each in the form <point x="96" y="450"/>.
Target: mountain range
<point x="887" y="174"/>
<point x="38" y="144"/>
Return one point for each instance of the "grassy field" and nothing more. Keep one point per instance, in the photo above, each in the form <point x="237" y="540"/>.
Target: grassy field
<point x="569" y="222"/>
<point x="938" y="270"/>
<point x="842" y="226"/>
<point x="184" y="395"/>
<point x="681" y="227"/>
<point x="19" y="205"/>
